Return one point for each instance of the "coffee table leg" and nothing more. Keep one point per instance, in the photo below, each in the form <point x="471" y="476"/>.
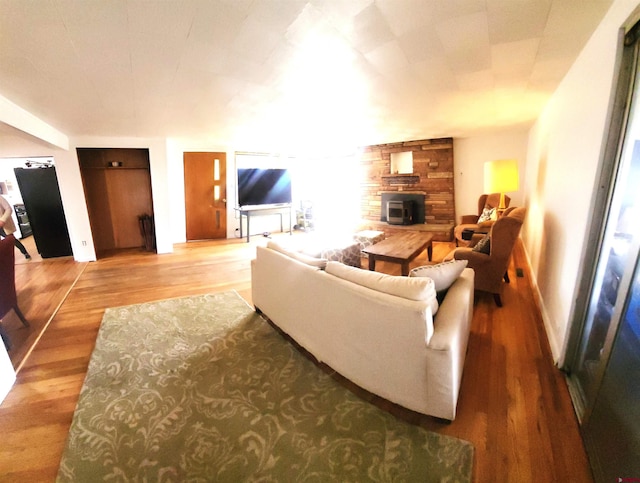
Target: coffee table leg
<point x="405" y="268"/>
<point x="430" y="251"/>
<point x="372" y="262"/>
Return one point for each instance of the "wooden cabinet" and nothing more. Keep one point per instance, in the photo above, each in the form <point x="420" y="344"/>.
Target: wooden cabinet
<point x="117" y="185"/>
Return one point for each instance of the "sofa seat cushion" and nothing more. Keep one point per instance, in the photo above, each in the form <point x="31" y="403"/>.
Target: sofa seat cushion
<point x="418" y="289"/>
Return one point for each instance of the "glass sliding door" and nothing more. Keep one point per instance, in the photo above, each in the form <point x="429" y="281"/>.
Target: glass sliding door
<point x="613" y="275"/>
<point x="603" y="358"/>
<point x="612" y="431"/>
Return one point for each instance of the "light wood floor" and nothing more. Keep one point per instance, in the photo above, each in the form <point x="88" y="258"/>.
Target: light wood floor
<point x="514" y="405"/>
<point x="42" y="285"/>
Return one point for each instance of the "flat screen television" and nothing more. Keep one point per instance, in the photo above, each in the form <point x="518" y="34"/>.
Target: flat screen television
<point x="260" y="186"/>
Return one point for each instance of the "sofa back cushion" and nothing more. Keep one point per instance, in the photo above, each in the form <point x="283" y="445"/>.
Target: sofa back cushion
<point x="414" y="288"/>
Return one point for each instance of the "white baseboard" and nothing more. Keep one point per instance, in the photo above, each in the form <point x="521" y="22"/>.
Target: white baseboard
<point x="554" y="345"/>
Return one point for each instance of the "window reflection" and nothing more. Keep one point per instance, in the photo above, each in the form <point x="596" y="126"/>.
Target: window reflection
<point x="617" y="256"/>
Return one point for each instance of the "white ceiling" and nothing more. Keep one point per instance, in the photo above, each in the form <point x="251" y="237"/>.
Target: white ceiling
<point x="279" y="74"/>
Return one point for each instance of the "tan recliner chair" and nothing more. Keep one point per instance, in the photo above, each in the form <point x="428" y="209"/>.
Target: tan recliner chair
<point x="491" y="268"/>
<point x="470" y="222"/>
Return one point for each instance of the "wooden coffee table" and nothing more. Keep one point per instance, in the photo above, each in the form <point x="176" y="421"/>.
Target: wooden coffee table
<point x="400" y="249"/>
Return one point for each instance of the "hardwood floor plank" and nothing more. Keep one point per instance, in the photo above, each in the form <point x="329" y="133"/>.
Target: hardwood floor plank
<point x="41" y="286"/>
<point x="514" y="405"/>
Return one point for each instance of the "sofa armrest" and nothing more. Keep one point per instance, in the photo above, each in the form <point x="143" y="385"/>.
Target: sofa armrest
<point x="453" y="320"/>
<point x="448" y="346"/>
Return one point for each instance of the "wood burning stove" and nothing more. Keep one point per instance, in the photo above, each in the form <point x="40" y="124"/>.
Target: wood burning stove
<point x="400" y="212"/>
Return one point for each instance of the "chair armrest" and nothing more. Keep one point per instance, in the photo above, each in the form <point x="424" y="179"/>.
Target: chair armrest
<point x="486" y="225"/>
<point x="475" y="258"/>
<point x="469" y="219"/>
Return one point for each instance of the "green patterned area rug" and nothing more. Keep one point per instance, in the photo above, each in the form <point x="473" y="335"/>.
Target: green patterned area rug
<point x="203" y="389"/>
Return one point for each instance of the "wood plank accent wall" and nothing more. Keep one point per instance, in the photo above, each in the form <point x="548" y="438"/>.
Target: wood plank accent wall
<point x="432" y="176"/>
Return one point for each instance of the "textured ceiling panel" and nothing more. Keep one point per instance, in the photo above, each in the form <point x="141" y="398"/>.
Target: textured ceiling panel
<point x="285" y="74"/>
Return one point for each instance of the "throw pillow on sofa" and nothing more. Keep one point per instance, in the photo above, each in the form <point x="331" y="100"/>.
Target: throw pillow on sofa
<point x="418" y="289"/>
<point x="443" y="275"/>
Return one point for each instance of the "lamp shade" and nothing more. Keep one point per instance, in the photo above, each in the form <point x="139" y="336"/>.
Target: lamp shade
<point x="501" y="176"/>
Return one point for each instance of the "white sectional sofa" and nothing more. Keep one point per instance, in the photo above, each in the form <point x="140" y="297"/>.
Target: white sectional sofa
<point x="376" y="330"/>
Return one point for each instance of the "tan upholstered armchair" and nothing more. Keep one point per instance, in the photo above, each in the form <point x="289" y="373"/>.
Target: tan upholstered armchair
<point x="491" y="267"/>
<point x="470" y="222"/>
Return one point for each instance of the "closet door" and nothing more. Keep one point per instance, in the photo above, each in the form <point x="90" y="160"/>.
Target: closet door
<point x="129" y="195"/>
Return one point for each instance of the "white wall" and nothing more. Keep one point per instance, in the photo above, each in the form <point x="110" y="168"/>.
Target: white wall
<point x="563" y="158"/>
<point x="18" y="118"/>
<point x="72" y="192"/>
<point x="176" y="147"/>
<point x="167" y="180"/>
<point x="469" y="156"/>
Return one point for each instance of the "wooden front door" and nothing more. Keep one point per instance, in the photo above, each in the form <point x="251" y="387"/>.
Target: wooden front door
<point x="205" y="193"/>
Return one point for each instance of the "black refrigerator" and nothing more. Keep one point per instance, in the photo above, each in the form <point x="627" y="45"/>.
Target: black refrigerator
<point x="41" y="196"/>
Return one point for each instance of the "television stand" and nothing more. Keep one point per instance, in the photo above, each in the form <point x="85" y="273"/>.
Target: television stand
<point x="249" y="211"/>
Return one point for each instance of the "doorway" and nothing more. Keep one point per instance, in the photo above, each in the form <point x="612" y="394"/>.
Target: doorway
<point x="117" y="187"/>
<point x="205" y="195"/>
<point x="41" y="195"/>
<point x="38" y="179"/>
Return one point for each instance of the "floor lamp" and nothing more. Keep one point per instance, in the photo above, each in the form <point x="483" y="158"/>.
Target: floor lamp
<point x="501" y="176"/>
